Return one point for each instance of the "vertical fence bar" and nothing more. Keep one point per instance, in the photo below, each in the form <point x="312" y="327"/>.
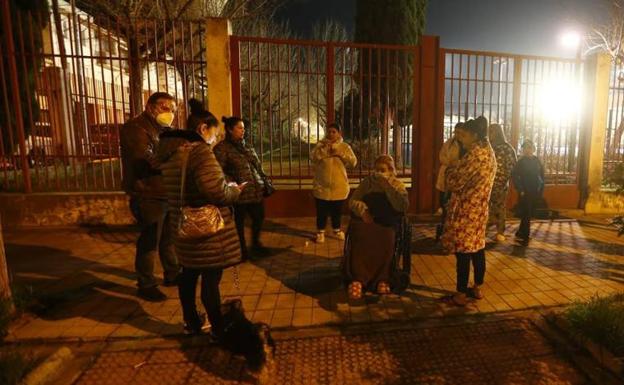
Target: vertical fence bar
<point x="515" y="108"/>
<point x="17" y="105"/>
<point x="329" y="75"/>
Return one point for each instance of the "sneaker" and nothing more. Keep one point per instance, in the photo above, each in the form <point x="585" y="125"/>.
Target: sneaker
<point x="500" y="237"/>
<point x="339" y="234"/>
<point x="199" y="328"/>
<point x="476" y="292"/>
<point x="320" y="237"/>
<point x="152" y="294"/>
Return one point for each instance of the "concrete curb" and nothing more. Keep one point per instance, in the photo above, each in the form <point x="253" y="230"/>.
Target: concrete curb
<point x="50" y="367"/>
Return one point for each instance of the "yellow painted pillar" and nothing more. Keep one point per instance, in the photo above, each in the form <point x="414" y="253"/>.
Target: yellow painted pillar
<point x="218" y="31"/>
<point x="597" y="102"/>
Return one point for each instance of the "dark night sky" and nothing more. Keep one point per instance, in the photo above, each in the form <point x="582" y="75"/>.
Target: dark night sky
<point x="516" y="26"/>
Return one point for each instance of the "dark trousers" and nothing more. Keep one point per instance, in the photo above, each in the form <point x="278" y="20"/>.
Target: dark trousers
<point x="154" y="238"/>
<point x="463" y="269"/>
<point x="324" y="208"/>
<point x="210" y="297"/>
<point x="526" y="208"/>
<point x="256" y="212"/>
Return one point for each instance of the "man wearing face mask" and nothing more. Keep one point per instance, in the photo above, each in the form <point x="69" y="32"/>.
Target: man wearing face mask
<point x="142" y="181"/>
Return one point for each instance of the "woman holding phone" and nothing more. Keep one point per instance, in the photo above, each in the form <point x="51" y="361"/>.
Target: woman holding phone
<point x="241" y="165"/>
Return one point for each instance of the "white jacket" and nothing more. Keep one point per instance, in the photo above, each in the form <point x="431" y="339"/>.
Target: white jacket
<point x="330" y="173"/>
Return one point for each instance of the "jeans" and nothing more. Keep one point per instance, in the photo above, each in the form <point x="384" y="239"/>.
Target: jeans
<point x="526" y="207"/>
<point x="324" y="209"/>
<point x="155" y="237"/>
<point x="463" y="269"/>
<point x="210" y="297"/>
<point x="256" y="212"/>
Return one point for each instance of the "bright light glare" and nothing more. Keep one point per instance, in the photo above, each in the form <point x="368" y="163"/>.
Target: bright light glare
<point x="571" y="39"/>
<point x="559" y="100"/>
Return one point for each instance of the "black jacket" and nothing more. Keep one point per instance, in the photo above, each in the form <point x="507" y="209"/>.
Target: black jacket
<point x="139" y="140"/>
<point x="528" y="175"/>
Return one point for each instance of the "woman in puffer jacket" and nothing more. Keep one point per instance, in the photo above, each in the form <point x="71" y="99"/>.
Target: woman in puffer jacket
<point x="205" y="185"/>
<point x="330" y="158"/>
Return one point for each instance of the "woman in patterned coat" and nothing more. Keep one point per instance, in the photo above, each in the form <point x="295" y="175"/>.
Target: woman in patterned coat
<point x="470" y="182"/>
<point x="505" y="162"/>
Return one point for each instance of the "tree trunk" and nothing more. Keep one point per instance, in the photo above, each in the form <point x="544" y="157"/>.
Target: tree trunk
<point x="135" y="74"/>
<point x="5" y="287"/>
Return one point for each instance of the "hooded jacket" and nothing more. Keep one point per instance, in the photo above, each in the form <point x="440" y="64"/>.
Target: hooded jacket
<point x="205" y="184"/>
<point x="330" y="170"/>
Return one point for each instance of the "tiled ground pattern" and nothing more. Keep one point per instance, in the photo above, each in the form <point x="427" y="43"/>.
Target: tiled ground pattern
<point x="493" y="352"/>
<point x="300" y="285"/>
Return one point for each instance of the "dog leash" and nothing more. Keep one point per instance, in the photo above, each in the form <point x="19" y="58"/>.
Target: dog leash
<point x="237" y="278"/>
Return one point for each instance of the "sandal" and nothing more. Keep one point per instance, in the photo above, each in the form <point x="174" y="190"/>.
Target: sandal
<point x="383" y="288"/>
<point x="355" y="290"/>
<point x="457" y="299"/>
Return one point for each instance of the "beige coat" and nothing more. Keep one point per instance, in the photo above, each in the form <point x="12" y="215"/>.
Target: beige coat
<point x="330" y="170"/>
<point x="449" y="152"/>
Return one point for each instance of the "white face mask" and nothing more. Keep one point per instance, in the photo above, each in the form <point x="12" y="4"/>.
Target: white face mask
<point x="386" y="174"/>
<point x="211" y="139"/>
<point x="165" y="119"/>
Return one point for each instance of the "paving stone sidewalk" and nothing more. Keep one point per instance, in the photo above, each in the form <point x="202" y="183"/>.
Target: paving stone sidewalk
<point x="505" y="351"/>
<point x="91" y="272"/>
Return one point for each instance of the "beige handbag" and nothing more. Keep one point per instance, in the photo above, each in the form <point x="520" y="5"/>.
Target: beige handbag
<point x="196" y="222"/>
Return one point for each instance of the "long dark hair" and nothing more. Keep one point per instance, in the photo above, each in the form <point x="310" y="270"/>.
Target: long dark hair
<point x="199" y="115"/>
<point x="230" y="123"/>
<point x="478" y="127"/>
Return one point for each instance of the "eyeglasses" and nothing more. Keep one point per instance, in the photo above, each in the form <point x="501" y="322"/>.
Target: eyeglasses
<point x="166" y="106"/>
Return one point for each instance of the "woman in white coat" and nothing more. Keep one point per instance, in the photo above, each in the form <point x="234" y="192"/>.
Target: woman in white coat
<point x="330" y="158"/>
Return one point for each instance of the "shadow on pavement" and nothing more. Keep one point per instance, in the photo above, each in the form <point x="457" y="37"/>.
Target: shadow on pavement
<point x="66" y="286"/>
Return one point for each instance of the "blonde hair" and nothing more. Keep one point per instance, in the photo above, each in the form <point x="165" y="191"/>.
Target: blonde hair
<point x="387" y="160"/>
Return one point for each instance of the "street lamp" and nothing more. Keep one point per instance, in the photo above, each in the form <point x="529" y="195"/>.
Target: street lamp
<point x="571" y="39"/>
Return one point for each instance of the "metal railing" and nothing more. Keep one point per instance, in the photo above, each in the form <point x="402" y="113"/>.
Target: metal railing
<point x="532" y="97"/>
<point x="289" y="90"/>
<point x="614" y="147"/>
<point x="89" y="77"/>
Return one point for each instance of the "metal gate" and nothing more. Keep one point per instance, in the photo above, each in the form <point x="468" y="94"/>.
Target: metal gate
<point x="532" y="97"/>
<point x="64" y="136"/>
<point x="383" y="96"/>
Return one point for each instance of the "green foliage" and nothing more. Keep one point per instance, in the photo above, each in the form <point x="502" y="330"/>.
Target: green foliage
<point x="28" y="44"/>
<point x="395" y="22"/>
<point x="601" y="319"/>
<point x="14" y="365"/>
<point x="615" y="179"/>
<point x="390" y="21"/>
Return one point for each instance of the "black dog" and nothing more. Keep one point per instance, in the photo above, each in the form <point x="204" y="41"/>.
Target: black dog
<point x="251" y="340"/>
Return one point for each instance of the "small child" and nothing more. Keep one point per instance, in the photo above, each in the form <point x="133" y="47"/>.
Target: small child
<point x="380" y="202"/>
<point x="528" y="178"/>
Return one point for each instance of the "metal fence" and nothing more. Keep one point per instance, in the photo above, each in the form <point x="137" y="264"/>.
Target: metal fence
<point x="536" y="98"/>
<point x="291" y="90"/>
<point x="614" y="148"/>
<point x="89" y="77"/>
